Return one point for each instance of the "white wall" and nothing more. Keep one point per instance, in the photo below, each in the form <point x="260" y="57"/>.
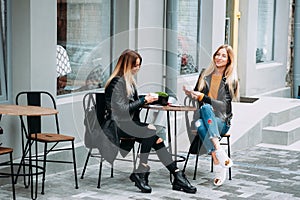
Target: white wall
<point x="34" y="45"/>
<point x="33" y="56"/>
<point x="150" y="43"/>
<point x="259" y="79"/>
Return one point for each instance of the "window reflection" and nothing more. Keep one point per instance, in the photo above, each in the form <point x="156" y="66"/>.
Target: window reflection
<point x="83" y="29"/>
<point x="188" y="23"/>
<point x="265" y="30"/>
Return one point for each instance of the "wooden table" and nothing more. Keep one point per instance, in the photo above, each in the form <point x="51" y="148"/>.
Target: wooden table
<point x="18" y="110"/>
<point x="171" y="108"/>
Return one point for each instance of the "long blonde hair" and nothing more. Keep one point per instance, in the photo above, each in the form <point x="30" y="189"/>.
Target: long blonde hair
<point x="230" y="73"/>
<point x="126" y="62"/>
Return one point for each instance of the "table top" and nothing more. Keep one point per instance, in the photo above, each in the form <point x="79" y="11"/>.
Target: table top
<point x="18" y="110"/>
<point x="174" y="107"/>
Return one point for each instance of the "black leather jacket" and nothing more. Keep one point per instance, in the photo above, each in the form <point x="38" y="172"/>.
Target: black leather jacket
<point x="124" y="111"/>
<point x="222" y="105"/>
<point x="121" y="107"/>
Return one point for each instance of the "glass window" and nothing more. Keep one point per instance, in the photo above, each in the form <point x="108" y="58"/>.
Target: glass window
<point x="3" y="51"/>
<point x="265" y="30"/>
<point x="188" y="29"/>
<point x="83" y="46"/>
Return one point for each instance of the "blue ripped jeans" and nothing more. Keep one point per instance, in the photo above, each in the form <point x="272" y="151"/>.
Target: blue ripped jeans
<point x="210" y="126"/>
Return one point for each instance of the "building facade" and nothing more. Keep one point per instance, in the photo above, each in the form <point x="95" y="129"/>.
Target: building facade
<point x="175" y="37"/>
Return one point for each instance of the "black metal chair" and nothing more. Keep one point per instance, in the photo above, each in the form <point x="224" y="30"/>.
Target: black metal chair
<point x="96" y="101"/>
<point x="196" y="143"/>
<point x="6" y="151"/>
<point x="31" y="127"/>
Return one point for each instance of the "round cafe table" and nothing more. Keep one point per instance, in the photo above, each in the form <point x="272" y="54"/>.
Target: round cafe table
<point x="19" y="110"/>
<point x="171" y="108"/>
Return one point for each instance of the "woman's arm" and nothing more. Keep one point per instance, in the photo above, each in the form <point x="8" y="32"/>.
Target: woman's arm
<point x="119" y="102"/>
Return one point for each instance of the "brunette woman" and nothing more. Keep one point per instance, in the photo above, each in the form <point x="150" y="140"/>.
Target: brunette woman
<point x="124" y="105"/>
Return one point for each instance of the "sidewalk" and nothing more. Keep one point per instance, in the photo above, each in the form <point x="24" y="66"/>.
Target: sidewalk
<point x="259" y="173"/>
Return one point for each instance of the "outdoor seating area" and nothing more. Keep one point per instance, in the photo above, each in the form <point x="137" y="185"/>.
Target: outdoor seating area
<point x="29" y="107"/>
<point x="139" y="100"/>
<point x="115" y="178"/>
<point x="254" y="177"/>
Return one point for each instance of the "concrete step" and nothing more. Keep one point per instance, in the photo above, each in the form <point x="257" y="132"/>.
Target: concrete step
<point x="284" y="134"/>
<point x="282" y="116"/>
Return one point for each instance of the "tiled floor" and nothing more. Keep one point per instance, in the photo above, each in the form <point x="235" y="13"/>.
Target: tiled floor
<point x="259" y="173"/>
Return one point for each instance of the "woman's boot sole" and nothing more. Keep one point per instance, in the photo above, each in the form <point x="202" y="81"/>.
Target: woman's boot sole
<point x="133" y="179"/>
<point x="179" y="188"/>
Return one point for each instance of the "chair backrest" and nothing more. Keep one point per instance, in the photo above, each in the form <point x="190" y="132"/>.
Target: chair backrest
<point x="36" y="98"/>
<point x="188" y="101"/>
<point x="190" y="125"/>
<point x="94" y="111"/>
<point x="96" y="99"/>
<point x="96" y="78"/>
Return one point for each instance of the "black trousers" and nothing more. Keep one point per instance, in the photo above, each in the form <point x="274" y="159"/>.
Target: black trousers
<point x="148" y="139"/>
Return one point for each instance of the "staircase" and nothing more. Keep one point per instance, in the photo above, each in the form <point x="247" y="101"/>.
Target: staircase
<point x="269" y="120"/>
<point x="283" y="127"/>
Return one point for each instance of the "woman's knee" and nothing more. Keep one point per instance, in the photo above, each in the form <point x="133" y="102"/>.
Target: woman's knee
<point x="159" y="140"/>
<point x="206" y="108"/>
<point x="201" y="129"/>
<point x="158" y="144"/>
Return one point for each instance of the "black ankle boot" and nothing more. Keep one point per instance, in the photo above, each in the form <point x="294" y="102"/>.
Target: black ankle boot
<point x="140" y="178"/>
<point x="147" y="178"/>
<point x="181" y="183"/>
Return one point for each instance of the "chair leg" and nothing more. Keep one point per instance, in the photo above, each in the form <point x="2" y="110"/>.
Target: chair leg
<point x="35" y="143"/>
<point x="212" y="165"/>
<point x="134" y="158"/>
<point x="44" y="168"/>
<point x="229" y="155"/>
<point x="86" y="162"/>
<point x="12" y="175"/>
<point x="22" y="165"/>
<point x="74" y="163"/>
<point x="100" y="172"/>
<point x="197" y="158"/>
<point x="186" y="160"/>
<point x="137" y="155"/>
<point x="112" y="170"/>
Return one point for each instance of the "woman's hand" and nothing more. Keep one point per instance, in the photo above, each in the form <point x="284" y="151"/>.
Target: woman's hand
<point x="151" y="98"/>
<point x="193" y="94"/>
<point x="196" y="95"/>
<point x="186" y="91"/>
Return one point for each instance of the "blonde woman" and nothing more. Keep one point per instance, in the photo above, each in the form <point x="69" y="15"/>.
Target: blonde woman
<point x="123" y="106"/>
<point x="216" y="88"/>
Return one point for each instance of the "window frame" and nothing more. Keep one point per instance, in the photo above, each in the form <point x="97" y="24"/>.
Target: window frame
<point x="4" y="51"/>
<point x="107" y="67"/>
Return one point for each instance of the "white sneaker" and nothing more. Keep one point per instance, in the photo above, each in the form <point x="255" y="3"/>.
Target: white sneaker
<point x="223" y="158"/>
<point x="220" y="175"/>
